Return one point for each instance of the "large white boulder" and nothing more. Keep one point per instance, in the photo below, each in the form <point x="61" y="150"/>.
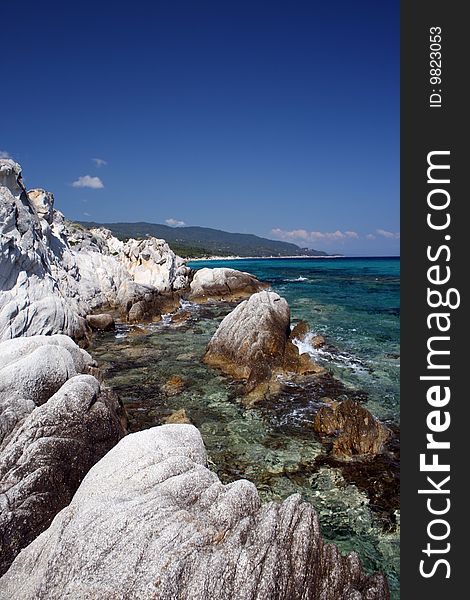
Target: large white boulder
<point x="151" y="521"/>
<point x="222" y="283"/>
<point x="56" y="421"/>
<point x="252" y="337"/>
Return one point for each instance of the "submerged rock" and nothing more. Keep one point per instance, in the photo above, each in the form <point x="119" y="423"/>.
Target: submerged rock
<point x="223" y="284"/>
<point x="55" y="424"/>
<point x="254" y="342"/>
<point x="179" y="416"/>
<point x="355" y="432"/>
<point x="174" y="386"/>
<point x="150" y="520"/>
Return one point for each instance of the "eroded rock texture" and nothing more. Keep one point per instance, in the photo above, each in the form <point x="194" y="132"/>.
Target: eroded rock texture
<point x="151" y="521"/>
<point x="53" y="272"/>
<point x="223" y="284"/>
<point x="354" y="431"/>
<point x="55" y="424"/>
<point x="254" y="342"/>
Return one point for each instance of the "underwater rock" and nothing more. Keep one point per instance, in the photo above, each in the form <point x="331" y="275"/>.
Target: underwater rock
<point x="150" y="520"/>
<point x="102" y="322"/>
<point x="355" y="432"/>
<point x="174" y="386"/>
<point x="223" y="284"/>
<point x="178" y="417"/>
<point x="56" y="423"/>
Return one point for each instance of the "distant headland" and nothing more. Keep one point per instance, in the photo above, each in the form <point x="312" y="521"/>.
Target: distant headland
<point x="204" y="242"/>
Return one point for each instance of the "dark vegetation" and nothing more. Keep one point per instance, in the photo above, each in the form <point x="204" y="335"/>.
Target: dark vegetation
<point x="196" y="242"/>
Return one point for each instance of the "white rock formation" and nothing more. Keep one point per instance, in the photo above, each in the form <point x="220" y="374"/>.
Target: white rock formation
<point x="32" y="369"/>
<point x="151" y="262"/>
<point x="223" y="284"/>
<point x="53" y="273"/>
<point x="151" y="521"/>
<point x="37" y="293"/>
<point x="55" y="422"/>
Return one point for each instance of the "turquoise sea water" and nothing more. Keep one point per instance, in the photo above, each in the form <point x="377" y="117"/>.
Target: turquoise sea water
<point x="354" y="304"/>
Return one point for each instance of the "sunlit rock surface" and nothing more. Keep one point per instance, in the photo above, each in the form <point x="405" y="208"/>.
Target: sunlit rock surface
<point x="53" y="272"/>
<point x="151" y="521"/>
<point x="56" y="422"/>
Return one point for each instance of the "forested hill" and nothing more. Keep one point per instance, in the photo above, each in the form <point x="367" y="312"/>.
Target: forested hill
<point x="203" y="241"/>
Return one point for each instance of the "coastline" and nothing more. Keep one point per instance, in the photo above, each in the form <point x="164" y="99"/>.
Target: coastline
<point x="218" y="258"/>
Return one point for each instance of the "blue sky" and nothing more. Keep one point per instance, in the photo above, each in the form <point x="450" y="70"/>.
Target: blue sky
<point x="274" y="118"/>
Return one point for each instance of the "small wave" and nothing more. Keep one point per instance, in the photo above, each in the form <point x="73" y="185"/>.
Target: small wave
<point x="186" y="304"/>
<point x="300" y="278"/>
<point x="339" y="359"/>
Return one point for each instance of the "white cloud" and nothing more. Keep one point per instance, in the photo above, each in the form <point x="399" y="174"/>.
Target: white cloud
<point x="174" y="222"/>
<point x="387" y="234"/>
<point x="296" y="235"/>
<point x="87" y="214"/>
<point x="87" y="181"/>
<point x="99" y="162"/>
<point x="370" y="236"/>
<point x="4" y="154"/>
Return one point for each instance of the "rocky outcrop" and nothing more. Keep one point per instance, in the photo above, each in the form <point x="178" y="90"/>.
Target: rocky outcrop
<point x="53" y="272"/>
<point x="32" y="369"/>
<point x="33" y="281"/>
<point x="254" y="343"/>
<point x="223" y="284"/>
<point x="56" y="422"/>
<point x="151" y="521"/>
<point x="151" y="262"/>
<point x="354" y="432"/>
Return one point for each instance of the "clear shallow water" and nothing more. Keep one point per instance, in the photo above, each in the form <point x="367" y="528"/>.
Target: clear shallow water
<point x="354" y="303"/>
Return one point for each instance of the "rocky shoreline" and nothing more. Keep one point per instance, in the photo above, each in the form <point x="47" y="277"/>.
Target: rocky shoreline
<point x="85" y="515"/>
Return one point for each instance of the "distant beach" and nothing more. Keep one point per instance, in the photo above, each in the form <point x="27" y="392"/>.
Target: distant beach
<point x="303" y="256"/>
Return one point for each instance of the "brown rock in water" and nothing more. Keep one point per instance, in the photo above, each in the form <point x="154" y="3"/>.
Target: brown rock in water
<point x="356" y="432"/>
<point x="137" y="332"/>
<point x="300" y="331"/>
<point x="254" y="342"/>
<point x="178" y="417"/>
<point x="318" y="341"/>
<point x="251" y="340"/>
<point x="103" y="322"/>
<point x="174" y="386"/>
<point x="181" y="316"/>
